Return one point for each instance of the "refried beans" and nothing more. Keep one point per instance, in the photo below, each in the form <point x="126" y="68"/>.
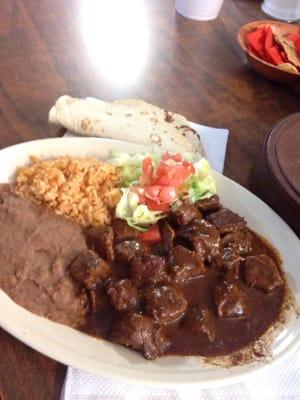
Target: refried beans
<point x="36" y="247"/>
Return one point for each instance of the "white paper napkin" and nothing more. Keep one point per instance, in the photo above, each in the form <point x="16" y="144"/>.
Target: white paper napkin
<point x="215" y="142"/>
<point x="279" y="382"/>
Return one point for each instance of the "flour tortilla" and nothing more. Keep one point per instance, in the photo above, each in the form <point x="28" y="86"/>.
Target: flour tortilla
<point x="130" y="120"/>
<point x="178" y="121"/>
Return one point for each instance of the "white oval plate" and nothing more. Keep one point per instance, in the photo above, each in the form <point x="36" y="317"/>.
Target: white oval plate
<point x="106" y="359"/>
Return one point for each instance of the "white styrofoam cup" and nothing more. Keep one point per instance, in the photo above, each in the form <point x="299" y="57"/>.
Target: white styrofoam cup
<point x="286" y="10"/>
<point x="201" y="10"/>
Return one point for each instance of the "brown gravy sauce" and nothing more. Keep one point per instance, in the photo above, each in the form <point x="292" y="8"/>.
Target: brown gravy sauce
<point x="231" y="334"/>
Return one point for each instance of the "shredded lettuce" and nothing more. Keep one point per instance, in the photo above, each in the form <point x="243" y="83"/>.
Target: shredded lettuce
<point x="198" y="186"/>
<point x="137" y="215"/>
<point x="130" y="166"/>
<point x="202" y="184"/>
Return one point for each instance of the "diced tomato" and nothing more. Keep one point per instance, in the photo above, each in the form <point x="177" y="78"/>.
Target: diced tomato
<point x="182" y="172"/>
<point x="297" y="45"/>
<point x="160" y="187"/>
<point x="293" y="36"/>
<point x="173" y="180"/>
<point x="166" y="156"/>
<point x="174" y="175"/>
<point x="163" y="180"/>
<point x="256" y="39"/>
<point x="176" y="157"/>
<point x="170" y="179"/>
<point x="274" y="54"/>
<point x="152" y="192"/>
<point x="189" y="166"/>
<point x="154" y="206"/>
<point x="142" y="200"/>
<point x="161" y="194"/>
<point x="151" y="236"/>
<point x="148" y="171"/>
<point x="168" y="194"/>
<point x="163" y="169"/>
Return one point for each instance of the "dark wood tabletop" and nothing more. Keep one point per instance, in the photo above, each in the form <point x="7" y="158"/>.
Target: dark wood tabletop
<point x="142" y="50"/>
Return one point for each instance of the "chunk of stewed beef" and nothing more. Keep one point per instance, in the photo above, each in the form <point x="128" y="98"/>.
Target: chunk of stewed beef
<point x="231" y="261"/>
<point x="209" y="205"/>
<point x="101" y="241"/>
<point x="231" y="300"/>
<point x="226" y="221"/>
<point x="262" y="273"/>
<point x="158" y="249"/>
<point x="167" y="234"/>
<point x="98" y="299"/>
<point x="242" y="241"/>
<point x="204" y="236"/>
<point x="122" y="231"/>
<point x="88" y="269"/>
<point x="184" y="214"/>
<point x="164" y="303"/>
<point x="148" y="269"/>
<point x="126" y="250"/>
<point x="138" y="332"/>
<point x="199" y="321"/>
<point x="123" y="294"/>
<point x="200" y="247"/>
<point x="185" y="264"/>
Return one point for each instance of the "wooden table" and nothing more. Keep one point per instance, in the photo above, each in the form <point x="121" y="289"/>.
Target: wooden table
<point x="49" y="48"/>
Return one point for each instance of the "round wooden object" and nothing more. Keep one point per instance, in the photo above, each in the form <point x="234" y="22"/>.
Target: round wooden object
<point x="276" y="173"/>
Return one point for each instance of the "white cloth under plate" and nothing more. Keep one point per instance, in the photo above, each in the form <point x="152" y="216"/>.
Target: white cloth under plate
<point x="214" y="141"/>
